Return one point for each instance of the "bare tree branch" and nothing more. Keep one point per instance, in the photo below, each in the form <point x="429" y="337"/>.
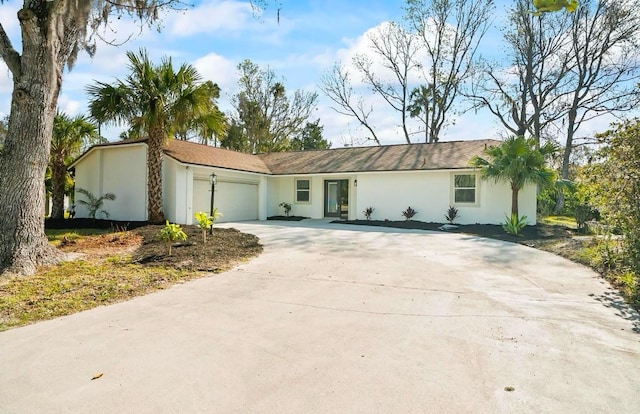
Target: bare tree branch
<point x="605" y="49"/>
<point x="10" y="56"/>
<point x="522" y="92"/>
<point x="337" y="86"/>
<point x="451" y="31"/>
<point x="397" y="50"/>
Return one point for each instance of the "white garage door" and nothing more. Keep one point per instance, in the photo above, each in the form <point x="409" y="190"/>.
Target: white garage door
<point x="236" y="201"/>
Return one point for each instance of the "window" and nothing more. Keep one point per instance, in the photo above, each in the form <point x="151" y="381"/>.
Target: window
<point x="464" y="188"/>
<point x="303" y="193"/>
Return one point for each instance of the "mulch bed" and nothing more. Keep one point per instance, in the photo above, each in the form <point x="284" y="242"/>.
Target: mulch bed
<point x="221" y="251"/>
<point x="287" y="218"/>
<point x="530" y="234"/>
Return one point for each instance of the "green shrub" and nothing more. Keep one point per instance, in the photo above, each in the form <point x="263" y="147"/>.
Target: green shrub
<point x="205" y="221"/>
<point x="514" y="224"/>
<point x="582" y="214"/>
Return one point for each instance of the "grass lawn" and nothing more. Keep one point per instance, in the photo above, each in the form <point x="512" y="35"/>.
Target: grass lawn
<point x="566" y="221"/>
<point x="107" y="267"/>
<point x="55" y="236"/>
<point x="79" y="285"/>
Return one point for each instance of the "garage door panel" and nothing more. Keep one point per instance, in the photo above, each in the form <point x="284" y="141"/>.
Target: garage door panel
<point x="236" y="201"/>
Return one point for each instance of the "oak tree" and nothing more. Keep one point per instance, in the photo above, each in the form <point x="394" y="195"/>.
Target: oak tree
<point x="53" y="32"/>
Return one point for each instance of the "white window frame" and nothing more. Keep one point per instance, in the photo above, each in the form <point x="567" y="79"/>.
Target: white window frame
<point x="296" y="190"/>
<point x="476" y="201"/>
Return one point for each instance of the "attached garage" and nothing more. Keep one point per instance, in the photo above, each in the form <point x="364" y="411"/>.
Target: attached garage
<point x="236" y="200"/>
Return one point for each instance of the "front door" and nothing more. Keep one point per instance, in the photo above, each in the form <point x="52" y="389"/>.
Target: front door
<point x="336" y="198"/>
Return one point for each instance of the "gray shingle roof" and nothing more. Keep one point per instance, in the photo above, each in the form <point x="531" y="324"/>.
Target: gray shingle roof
<point x="406" y="157"/>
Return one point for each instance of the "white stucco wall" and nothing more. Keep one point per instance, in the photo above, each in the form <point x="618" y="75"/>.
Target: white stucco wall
<point x="177" y="191"/>
<point x="282" y="189"/>
<point x="430" y="193"/>
<point x="120" y="170"/>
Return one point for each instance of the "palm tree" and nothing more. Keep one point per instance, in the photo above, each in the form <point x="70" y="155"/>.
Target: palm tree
<point x="155" y="100"/>
<point x="207" y="127"/>
<point x="517" y="161"/>
<point x="70" y="136"/>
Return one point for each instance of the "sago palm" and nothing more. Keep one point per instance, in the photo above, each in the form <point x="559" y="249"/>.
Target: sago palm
<point x="70" y="136"/>
<point x="155" y="100"/>
<point x="517" y="161"/>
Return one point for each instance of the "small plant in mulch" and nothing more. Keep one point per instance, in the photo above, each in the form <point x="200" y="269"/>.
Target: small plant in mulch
<point x="452" y="214"/>
<point x="368" y="212"/>
<point x="409" y="213"/>
<point x="171" y="233"/>
<point x="514" y="224"/>
<point x="287" y="208"/>
<point x="205" y="222"/>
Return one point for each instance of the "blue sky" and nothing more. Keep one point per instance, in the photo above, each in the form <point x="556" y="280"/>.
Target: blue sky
<point x="216" y="35"/>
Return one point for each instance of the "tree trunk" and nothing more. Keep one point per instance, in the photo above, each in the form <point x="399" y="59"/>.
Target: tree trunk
<point x="37" y="77"/>
<point x="154" y="174"/>
<point x="58" y="178"/>
<point x="566" y="158"/>
<point x="514" y="200"/>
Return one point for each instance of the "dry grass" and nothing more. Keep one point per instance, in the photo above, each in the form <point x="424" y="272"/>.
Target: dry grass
<point x="103" y="272"/>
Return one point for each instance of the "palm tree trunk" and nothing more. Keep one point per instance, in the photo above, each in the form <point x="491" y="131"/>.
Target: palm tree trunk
<point x="23" y="244"/>
<point x="514" y="200"/>
<point x="58" y="175"/>
<point x="154" y="174"/>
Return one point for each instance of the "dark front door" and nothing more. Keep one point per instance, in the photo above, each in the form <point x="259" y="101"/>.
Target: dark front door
<point x="336" y="198"/>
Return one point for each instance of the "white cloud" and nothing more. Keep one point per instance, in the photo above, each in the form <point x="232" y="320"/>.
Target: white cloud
<point x="219" y="70"/>
<point x="212" y="16"/>
<point x="70" y="106"/>
<point x="9" y="20"/>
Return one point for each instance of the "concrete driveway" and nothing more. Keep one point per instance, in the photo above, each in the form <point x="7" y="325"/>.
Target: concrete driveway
<point x="344" y="319"/>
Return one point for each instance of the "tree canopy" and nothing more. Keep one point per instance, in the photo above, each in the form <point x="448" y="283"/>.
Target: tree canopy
<point x="70" y="136"/>
<point x="614" y="175"/>
<point x="310" y="138"/>
<point x="518" y="161"/>
<point x="265" y="118"/>
<point x="157" y="100"/>
<point x="52" y="35"/>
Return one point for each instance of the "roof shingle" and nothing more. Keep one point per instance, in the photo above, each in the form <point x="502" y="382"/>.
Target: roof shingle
<point x="198" y="154"/>
<point x="407" y="157"/>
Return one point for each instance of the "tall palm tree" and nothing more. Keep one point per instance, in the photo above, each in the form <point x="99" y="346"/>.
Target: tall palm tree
<point x="155" y="100"/>
<point x="517" y="161"/>
<point x="69" y="137"/>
